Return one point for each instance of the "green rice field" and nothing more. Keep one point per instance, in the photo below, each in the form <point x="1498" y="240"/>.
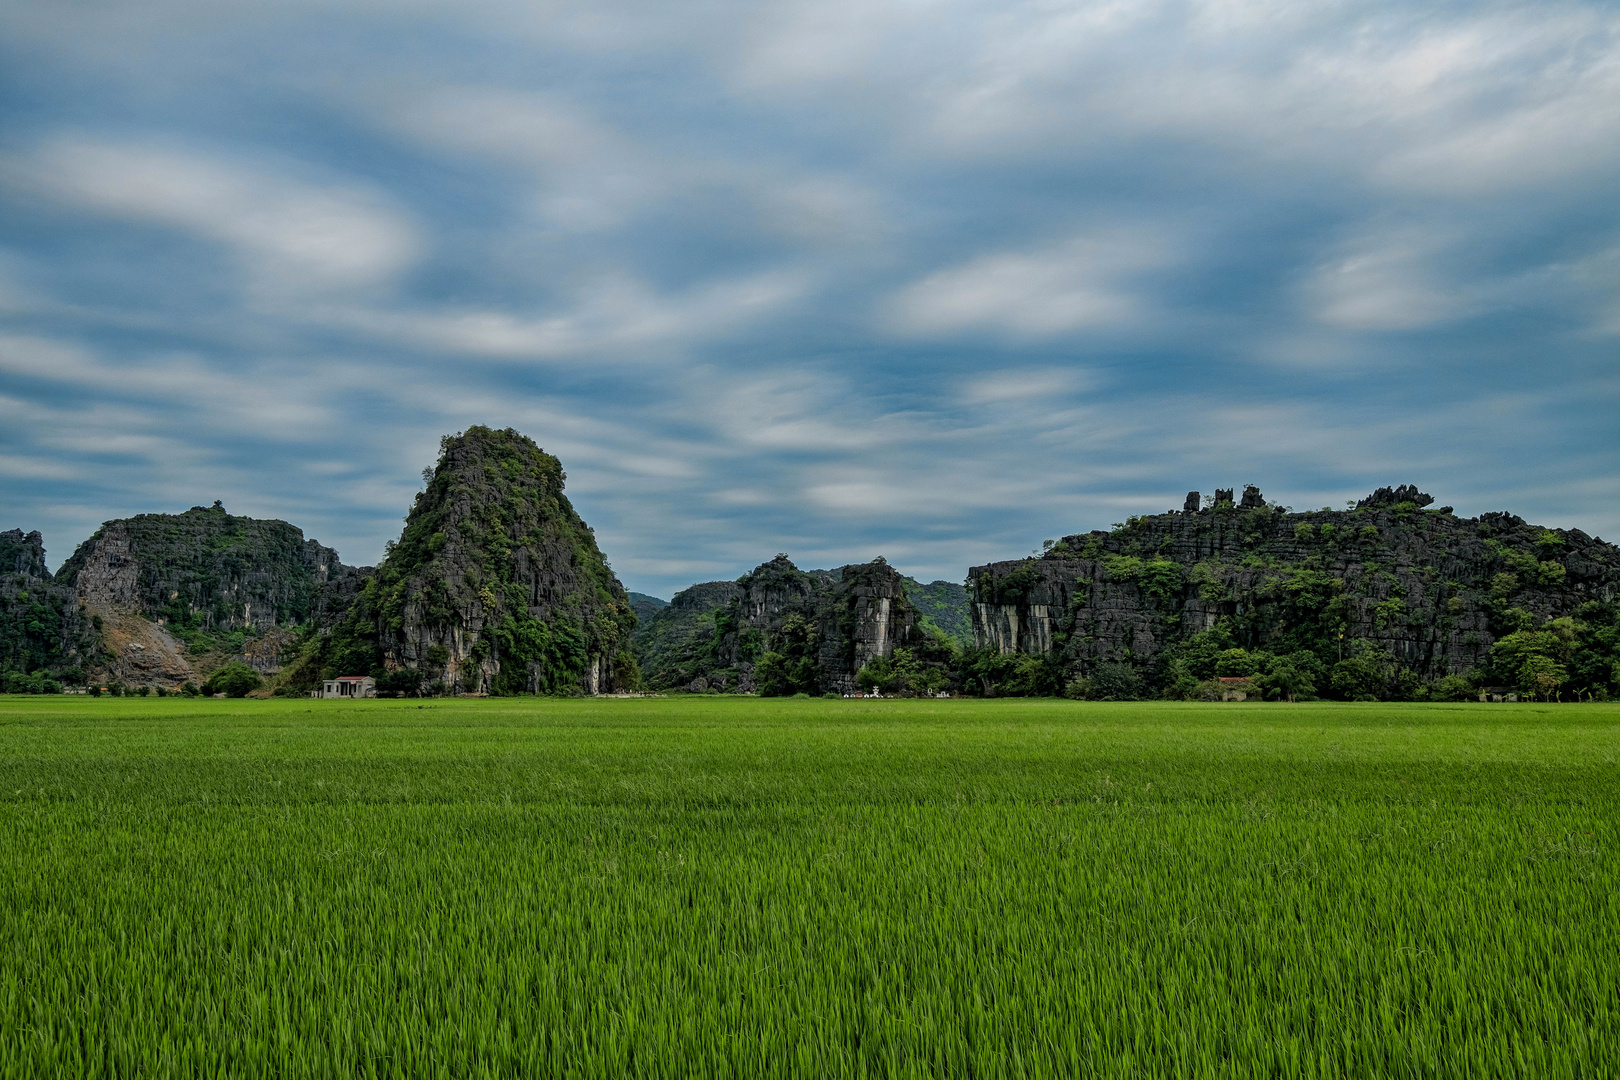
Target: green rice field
<point x="738" y="887"/>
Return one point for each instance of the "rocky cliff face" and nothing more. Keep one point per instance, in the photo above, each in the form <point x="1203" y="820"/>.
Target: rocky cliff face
<point x="1430" y="590"/>
<point x="173" y="590"/>
<point x="204" y="568"/>
<point x="828" y="623"/>
<point x="496" y="584"/>
<point x="43" y="629"/>
<point x="676" y="644"/>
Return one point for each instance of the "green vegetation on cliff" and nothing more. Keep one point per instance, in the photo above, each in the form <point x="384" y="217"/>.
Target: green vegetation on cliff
<point x="206" y="574"/>
<point x="46" y="637"/>
<point x="1385" y="601"/>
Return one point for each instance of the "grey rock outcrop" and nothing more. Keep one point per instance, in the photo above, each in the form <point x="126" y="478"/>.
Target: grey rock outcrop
<point x="43" y="628"/>
<point x="712" y="635"/>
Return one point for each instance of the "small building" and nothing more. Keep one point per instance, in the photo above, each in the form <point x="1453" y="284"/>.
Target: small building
<point x="1498" y="693"/>
<point x="347" y="686"/>
<point x="1235" y="687"/>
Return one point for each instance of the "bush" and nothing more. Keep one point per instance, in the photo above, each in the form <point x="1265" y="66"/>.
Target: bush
<point x="1113" y="681"/>
<point x="402" y="681"/>
<point x="1454" y="688"/>
<point x="233" y="680"/>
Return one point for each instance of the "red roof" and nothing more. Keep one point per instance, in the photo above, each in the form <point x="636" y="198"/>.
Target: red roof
<point x="351" y="678"/>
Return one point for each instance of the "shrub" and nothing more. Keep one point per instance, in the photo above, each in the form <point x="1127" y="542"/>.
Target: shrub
<point x="1454" y="688"/>
<point x="233" y="680"/>
<point x="1114" y="681"/>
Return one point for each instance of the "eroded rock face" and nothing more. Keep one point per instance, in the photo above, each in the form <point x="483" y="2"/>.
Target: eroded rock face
<point x="205" y="568"/>
<point x="712" y="635"/>
<point x="1431" y="590"/>
<point x="23" y="556"/>
<point x="496" y="583"/>
<point x="43" y="628"/>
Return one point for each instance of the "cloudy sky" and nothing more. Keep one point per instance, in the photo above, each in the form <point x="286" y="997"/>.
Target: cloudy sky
<point x="936" y="280"/>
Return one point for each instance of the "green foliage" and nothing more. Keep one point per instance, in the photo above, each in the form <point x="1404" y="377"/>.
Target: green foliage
<point x="1389" y="613"/>
<point x="1305" y="532"/>
<point x="1113" y="681"/>
<point x="943" y="605"/>
<point x="1288" y="678"/>
<point x="987" y="672"/>
<point x="19" y="682"/>
<point x="626" y="671"/>
<point x="537" y="657"/>
<point x="1011" y="588"/>
<point x="790" y="666"/>
<point x="234" y="681"/>
<point x="1235" y="663"/>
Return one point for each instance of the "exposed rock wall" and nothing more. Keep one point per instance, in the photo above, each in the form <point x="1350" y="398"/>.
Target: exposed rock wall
<point x="169" y="588"/>
<point x="204" y="567"/>
<point x="1431" y="590"/>
<point x="712" y="635"/>
<point x="43" y="628"/>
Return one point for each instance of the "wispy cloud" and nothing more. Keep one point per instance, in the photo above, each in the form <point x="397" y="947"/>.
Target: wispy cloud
<point x="931" y="278"/>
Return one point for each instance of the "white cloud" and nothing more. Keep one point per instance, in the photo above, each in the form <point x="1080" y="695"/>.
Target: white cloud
<point x="1385" y="282"/>
<point x="1086" y="283"/>
<point x="1023" y="385"/>
<point x="588" y="176"/>
<point x="289" y="234"/>
<point x="615" y="315"/>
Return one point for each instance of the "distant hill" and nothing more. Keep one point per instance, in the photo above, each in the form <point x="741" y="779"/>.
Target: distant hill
<point x="943" y="604"/>
<point x="175" y="595"/>
<point x="646" y="606"/>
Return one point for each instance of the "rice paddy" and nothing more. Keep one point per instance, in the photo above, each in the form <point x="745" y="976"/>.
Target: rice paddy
<point x="743" y="887"/>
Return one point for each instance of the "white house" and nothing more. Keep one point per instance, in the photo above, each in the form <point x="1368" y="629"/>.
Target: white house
<point x="347" y="686"/>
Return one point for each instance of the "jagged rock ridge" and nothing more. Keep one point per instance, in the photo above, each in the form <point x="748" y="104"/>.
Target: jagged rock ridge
<point x="1430" y="590"/>
<point x="825" y="624"/>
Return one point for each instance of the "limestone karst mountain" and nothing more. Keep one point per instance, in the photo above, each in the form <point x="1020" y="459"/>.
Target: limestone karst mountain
<point x="160" y="599"/>
<point x="496" y="585"/>
<point x="809" y="630"/>
<point x="178" y="594"/>
<point x="1425" y="593"/>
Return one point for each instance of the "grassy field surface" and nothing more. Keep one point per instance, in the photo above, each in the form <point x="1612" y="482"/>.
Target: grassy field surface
<point x="740" y="887"/>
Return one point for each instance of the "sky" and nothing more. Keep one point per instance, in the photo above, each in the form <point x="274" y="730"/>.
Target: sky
<point x="835" y="278"/>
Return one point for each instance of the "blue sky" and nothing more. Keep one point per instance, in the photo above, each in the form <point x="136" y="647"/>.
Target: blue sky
<point x="838" y="278"/>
